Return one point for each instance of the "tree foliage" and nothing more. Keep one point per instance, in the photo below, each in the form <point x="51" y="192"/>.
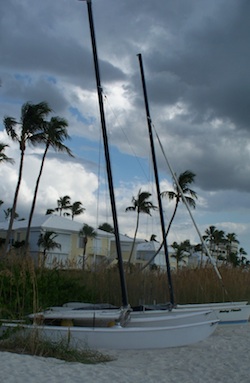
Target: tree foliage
<point x="140" y="204"/>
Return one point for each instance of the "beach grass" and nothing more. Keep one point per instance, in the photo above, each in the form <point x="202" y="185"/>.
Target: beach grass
<point x="25" y="289"/>
<point x="32" y="343"/>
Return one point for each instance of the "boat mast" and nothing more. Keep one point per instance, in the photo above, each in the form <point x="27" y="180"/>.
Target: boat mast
<point x="107" y="156"/>
<point x="170" y="285"/>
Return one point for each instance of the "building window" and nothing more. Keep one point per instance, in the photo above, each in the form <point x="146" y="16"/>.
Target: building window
<point x="81" y="242"/>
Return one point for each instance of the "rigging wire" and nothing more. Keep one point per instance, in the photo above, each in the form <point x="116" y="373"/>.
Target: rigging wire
<point x="191" y="216"/>
<point x="187" y="206"/>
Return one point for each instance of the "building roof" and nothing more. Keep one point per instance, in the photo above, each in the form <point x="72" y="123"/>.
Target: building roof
<point x="55" y="223"/>
<point x="148" y="246"/>
<point x="152" y="246"/>
<point x="50" y="221"/>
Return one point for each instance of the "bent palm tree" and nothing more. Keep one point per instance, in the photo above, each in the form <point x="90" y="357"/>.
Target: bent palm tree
<point x="140" y="205"/>
<point x="53" y="134"/>
<point x="184" y="180"/>
<point x="86" y="232"/>
<point x="32" y="120"/>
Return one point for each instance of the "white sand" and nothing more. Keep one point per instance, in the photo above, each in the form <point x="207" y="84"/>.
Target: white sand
<point x="223" y="357"/>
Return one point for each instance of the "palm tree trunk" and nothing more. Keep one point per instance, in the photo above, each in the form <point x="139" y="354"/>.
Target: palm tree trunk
<point x="133" y="244"/>
<point x="34" y="197"/>
<point x="85" y="241"/>
<point x="13" y="209"/>
<point x="172" y="218"/>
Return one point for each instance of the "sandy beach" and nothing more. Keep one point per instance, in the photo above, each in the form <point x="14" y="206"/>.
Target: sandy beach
<point x="223" y="357"/>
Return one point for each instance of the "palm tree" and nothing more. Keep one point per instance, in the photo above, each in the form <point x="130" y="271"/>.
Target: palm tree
<point x="234" y="259"/>
<point x="181" y="251"/>
<point x="140" y="205"/>
<point x="184" y="180"/>
<point x="3" y="157"/>
<point x="230" y="239"/>
<point x="63" y="203"/>
<point x="219" y="239"/>
<point x="32" y="120"/>
<point x="86" y="232"/>
<point x="47" y="241"/>
<point x="53" y="134"/>
<point x="199" y="248"/>
<point x="106" y="227"/>
<point x="7" y="214"/>
<point x="49" y="211"/>
<point x="243" y="259"/>
<point x="185" y="195"/>
<point x="210" y="236"/>
<point x="153" y="238"/>
<point x="242" y="252"/>
<point x="215" y="238"/>
<point x="76" y="209"/>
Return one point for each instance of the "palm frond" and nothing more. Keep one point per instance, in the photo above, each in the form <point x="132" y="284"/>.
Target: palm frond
<point x="130" y="208"/>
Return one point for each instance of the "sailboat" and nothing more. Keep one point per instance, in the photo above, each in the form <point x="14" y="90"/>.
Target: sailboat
<point x="226" y="312"/>
<point x="145" y="331"/>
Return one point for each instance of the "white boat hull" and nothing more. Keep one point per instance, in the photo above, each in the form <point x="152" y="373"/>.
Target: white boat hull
<point x="120" y="338"/>
<point x="226" y="312"/>
<point x="169" y="318"/>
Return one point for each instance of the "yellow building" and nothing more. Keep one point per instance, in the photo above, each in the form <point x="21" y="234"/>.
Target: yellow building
<point x="70" y="254"/>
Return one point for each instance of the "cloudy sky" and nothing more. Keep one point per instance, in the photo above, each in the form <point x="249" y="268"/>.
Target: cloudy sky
<point x="196" y="60"/>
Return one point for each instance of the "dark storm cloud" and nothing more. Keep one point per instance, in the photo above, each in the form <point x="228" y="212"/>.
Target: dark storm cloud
<point x="196" y="57"/>
<point x="35" y="42"/>
<point x="206" y="66"/>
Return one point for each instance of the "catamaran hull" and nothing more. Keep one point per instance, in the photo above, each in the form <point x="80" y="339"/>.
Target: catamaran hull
<point x="120" y="338"/>
<point x="227" y="313"/>
<point x="170" y="318"/>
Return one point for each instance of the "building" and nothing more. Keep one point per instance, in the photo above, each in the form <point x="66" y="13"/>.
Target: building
<point x="99" y="250"/>
<point x="146" y="250"/>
